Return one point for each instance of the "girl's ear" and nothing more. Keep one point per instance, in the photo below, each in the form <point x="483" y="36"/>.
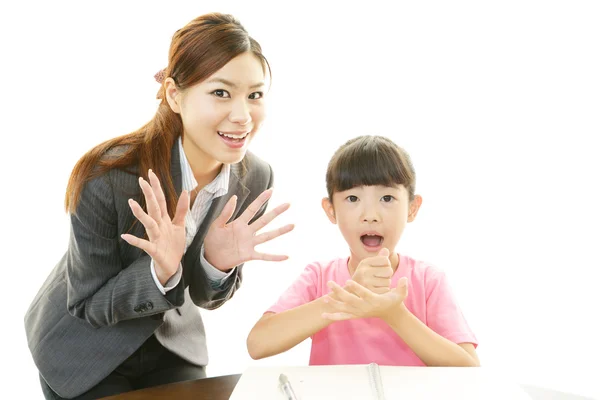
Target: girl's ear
<point x="328" y="208"/>
<point x="173" y="95"/>
<point x="413" y="208"/>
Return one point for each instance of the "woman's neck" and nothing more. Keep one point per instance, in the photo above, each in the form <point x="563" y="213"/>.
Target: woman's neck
<point x="204" y="167"/>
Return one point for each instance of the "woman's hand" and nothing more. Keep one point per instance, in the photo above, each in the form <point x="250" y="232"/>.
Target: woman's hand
<point x="227" y="245"/>
<point x="166" y="243"/>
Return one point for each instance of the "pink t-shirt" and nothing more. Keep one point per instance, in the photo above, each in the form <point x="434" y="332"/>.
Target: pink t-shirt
<point x="363" y="341"/>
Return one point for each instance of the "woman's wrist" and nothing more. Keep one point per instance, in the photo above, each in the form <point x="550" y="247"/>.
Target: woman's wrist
<point x="215" y="263"/>
<point x="163" y="275"/>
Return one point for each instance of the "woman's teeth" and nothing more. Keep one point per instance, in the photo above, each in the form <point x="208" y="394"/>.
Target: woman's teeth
<point x="233" y="136"/>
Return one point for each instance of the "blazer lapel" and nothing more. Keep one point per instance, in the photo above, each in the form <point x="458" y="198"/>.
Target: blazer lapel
<point x="176" y="168"/>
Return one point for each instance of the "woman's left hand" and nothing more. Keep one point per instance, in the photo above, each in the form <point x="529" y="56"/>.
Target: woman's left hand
<point x="166" y="237"/>
<point x="355" y="301"/>
<point x="227" y="245"/>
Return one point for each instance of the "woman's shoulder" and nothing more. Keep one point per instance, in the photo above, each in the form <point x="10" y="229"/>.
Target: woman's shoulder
<point x="256" y="164"/>
<point x="119" y="177"/>
<point x="255" y="171"/>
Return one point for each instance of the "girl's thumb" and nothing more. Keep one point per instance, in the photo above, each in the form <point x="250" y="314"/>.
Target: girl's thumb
<point x="402" y="286"/>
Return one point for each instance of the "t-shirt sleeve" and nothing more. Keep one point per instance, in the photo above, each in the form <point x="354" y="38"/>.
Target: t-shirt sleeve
<point x="443" y="313"/>
<point x="303" y="290"/>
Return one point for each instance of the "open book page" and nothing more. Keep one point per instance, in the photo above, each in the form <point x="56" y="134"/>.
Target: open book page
<point x="449" y="383"/>
<point x="309" y="383"/>
<point x="353" y="382"/>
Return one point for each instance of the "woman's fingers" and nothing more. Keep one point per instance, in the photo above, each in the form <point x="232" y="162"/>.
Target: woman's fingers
<point x="148" y="247"/>
<point x="226" y="213"/>
<point x="255" y="206"/>
<point x="159" y="195"/>
<point x="151" y="203"/>
<point x="183" y="206"/>
<point x="149" y="224"/>
<point x="265" y="237"/>
<point x="268" y="257"/>
<point x="268" y="217"/>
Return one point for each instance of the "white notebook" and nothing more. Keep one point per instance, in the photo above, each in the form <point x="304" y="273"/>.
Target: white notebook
<point x="366" y="382"/>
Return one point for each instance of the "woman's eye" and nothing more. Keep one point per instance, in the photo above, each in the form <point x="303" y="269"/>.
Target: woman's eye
<point x="352" y="199"/>
<point x="387" y="198"/>
<point x="256" y="95"/>
<point x="221" y="93"/>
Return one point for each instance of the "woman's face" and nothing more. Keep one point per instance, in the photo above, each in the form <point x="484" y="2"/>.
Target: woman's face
<point x="221" y="114"/>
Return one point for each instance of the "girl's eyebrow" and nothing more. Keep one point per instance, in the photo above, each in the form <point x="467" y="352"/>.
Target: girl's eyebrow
<point x="233" y="85"/>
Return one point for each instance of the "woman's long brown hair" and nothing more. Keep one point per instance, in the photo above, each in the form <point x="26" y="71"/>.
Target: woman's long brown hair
<point x="197" y="51"/>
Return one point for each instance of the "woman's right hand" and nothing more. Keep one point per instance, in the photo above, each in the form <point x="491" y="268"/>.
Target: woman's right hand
<point x="166" y="243"/>
<point x="227" y="245"/>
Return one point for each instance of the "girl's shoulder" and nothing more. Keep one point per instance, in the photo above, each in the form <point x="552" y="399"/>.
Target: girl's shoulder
<point x="420" y="270"/>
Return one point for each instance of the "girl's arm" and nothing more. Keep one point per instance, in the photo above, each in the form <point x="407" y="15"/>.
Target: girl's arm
<point x="275" y="333"/>
<point x="355" y="301"/>
<point x="430" y="347"/>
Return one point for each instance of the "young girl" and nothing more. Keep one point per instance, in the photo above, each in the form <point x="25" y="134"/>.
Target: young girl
<point x="375" y="305"/>
<point x="162" y="219"/>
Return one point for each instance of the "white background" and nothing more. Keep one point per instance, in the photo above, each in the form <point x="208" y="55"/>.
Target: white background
<point x="497" y="102"/>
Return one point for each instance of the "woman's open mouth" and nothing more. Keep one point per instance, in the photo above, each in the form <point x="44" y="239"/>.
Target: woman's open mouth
<point x="234" y="140"/>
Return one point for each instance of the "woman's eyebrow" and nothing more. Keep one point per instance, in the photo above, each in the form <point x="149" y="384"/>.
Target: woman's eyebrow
<point x="233" y="85"/>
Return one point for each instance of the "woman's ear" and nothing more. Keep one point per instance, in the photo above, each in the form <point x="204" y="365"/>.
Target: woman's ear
<point x="413" y="208"/>
<point x="173" y="95"/>
<point x="328" y="208"/>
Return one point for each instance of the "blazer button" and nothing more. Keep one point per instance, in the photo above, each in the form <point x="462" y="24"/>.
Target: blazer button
<point x="149" y="305"/>
<point x="137" y="308"/>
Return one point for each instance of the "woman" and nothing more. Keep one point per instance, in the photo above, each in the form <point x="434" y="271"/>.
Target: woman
<point x="162" y="220"/>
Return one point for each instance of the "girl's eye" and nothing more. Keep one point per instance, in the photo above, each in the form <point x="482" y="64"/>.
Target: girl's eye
<point x="256" y="95"/>
<point x="352" y="199"/>
<point x="221" y="93"/>
<point x="387" y="198"/>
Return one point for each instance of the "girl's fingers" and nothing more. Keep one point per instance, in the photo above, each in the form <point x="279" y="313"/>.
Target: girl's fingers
<point x="345" y="295"/>
<point x="337" y="316"/>
<point x="360" y="291"/>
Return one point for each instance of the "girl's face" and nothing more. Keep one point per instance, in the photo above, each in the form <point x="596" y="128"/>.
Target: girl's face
<point x="371" y="218"/>
<point x="221" y="114"/>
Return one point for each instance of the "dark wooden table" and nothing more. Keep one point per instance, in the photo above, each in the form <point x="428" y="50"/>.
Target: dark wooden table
<point x="215" y="388"/>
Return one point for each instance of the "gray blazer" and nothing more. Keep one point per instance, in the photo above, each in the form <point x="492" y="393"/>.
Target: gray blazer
<point x="100" y="303"/>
